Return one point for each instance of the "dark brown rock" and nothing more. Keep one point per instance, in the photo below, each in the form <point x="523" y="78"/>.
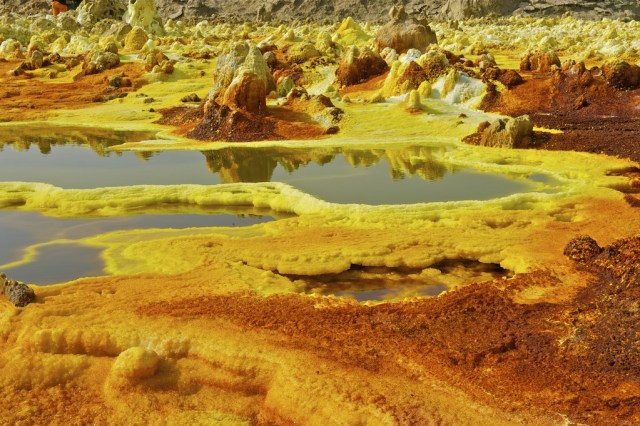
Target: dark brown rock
<point x="582" y="249"/>
<point x="360" y="65"/>
<point x="16" y="292"/>
<point x="622" y="75"/>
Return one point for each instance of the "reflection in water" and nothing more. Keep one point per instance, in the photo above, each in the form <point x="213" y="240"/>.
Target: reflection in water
<point x="381" y="283"/>
<point x="240" y="164"/>
<point x="44" y="136"/>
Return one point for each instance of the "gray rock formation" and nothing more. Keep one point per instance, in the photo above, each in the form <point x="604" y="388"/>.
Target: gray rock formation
<point x="374" y="11"/>
<point x="463" y="9"/>
<point x="16" y="292"/>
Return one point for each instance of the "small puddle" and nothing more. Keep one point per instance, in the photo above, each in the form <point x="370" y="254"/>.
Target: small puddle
<point x="64" y="262"/>
<point x="383" y="284"/>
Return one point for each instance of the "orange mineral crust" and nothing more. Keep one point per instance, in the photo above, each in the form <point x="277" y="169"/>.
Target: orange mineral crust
<point x="596" y="109"/>
<point x="202" y="346"/>
<point x="26" y="97"/>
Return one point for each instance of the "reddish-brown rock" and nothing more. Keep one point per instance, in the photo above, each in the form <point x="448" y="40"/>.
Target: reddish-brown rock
<point x="246" y="92"/>
<point x="414" y="74"/>
<point x="360" y="65"/>
<point x="622" y="75"/>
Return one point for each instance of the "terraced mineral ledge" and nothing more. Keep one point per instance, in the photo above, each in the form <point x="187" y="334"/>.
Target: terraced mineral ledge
<point x="344" y="223"/>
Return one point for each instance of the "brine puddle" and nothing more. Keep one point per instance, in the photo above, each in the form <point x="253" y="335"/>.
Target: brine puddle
<point x="64" y="261"/>
<point x="377" y="283"/>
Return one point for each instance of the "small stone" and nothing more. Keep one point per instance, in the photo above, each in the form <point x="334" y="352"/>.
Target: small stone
<point x="191" y="98"/>
<point x="115" y="80"/>
<point x="582" y="249"/>
<point x="136" y="363"/>
<point x="16" y="292"/>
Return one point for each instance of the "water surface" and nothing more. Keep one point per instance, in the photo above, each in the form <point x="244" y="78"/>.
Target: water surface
<point x="394" y="175"/>
<point x="62" y="262"/>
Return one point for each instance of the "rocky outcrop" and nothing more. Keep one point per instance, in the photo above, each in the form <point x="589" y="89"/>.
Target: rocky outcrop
<point x="142" y="13"/>
<point x="504" y="133"/>
<point x="589" y="9"/>
<point x="463" y="9"/>
<point x="240" y="55"/>
<point x="622" y="75"/>
<point x="582" y="249"/>
<point x="247" y="92"/>
<point x="404" y="32"/>
<point x="616" y="9"/>
<point x="97" y="61"/>
<point x="335" y="10"/>
<point x="135" y="39"/>
<point x="359" y="65"/>
<point x="93" y="11"/>
<point x="539" y="61"/>
<point x="16" y="292"/>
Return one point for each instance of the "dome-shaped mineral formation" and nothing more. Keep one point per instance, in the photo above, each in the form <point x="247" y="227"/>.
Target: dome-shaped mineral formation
<point x="403" y="32"/>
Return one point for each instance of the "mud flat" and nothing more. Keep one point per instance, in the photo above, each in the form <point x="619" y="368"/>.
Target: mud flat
<point x="491" y="307"/>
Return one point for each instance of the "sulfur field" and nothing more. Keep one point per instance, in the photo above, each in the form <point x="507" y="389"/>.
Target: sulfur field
<point x="401" y="221"/>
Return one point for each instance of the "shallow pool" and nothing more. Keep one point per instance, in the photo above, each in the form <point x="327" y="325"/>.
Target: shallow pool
<point x="395" y="175"/>
<point x="65" y="260"/>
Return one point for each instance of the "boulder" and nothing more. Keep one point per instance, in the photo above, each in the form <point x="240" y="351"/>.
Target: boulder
<point x="540" y="61"/>
<point x="302" y="52"/>
<point x="135" y="39"/>
<point x="510" y="78"/>
<point x="136" y="363"/>
<point x="154" y="58"/>
<point x="285" y="85"/>
<point x="621" y="75"/>
<point x="360" y="65"/>
<point x="403" y="32"/>
<point x="506" y="133"/>
<point x="119" y="30"/>
<point x="16" y="292"/>
<point x="36" y="60"/>
<point x="582" y="249"/>
<point x="97" y="61"/>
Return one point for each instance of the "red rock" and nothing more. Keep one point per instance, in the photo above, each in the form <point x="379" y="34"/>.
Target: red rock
<point x="246" y="92"/>
<point x="360" y="65"/>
